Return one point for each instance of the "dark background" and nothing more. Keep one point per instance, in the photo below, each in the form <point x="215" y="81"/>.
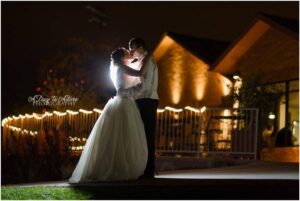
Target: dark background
<point x="32" y="31"/>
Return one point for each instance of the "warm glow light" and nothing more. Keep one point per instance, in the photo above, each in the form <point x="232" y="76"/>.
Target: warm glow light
<point x="203" y="109"/>
<point x="173" y="109"/>
<point x="28" y="116"/>
<point x="97" y="110"/>
<point x="227" y="85"/>
<point x="272" y="116"/>
<point x="192" y="109"/>
<point x="175" y="72"/>
<point x="36" y="116"/>
<point x="48" y="114"/>
<point x="85" y="111"/>
<point x="160" y="110"/>
<point x="199" y="77"/>
<point x="226" y="112"/>
<point x="72" y="112"/>
<point x="60" y="113"/>
<point x="236" y="77"/>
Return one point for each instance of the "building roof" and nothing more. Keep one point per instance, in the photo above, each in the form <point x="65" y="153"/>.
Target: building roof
<point x="262" y="23"/>
<point x="291" y="24"/>
<point x="207" y="49"/>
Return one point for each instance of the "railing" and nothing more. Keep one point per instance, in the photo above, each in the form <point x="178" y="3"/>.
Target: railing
<point x="214" y="130"/>
<point x="179" y="131"/>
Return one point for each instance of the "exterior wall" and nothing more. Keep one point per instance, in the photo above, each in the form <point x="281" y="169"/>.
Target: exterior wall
<point x="281" y="154"/>
<point x="185" y="80"/>
<point x="275" y="56"/>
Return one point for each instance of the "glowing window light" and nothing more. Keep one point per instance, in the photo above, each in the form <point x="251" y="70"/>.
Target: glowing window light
<point x="272" y="116"/>
<point x="72" y="112"/>
<point x="97" y="110"/>
<point x="226" y="112"/>
<point x="85" y="111"/>
<point x="203" y="109"/>
<point x="160" y="110"/>
<point x="173" y="109"/>
<point x="191" y="109"/>
<point x="60" y="113"/>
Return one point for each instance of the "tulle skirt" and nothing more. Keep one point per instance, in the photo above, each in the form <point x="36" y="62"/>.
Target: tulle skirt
<point x="116" y="148"/>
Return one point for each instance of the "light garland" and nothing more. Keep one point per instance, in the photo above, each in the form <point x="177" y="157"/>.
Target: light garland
<point x="13" y="128"/>
<point x="27" y="115"/>
<point x="60" y="113"/>
<point x="7" y="120"/>
<point x="173" y="109"/>
<point x="160" y="110"/>
<point x="97" y="110"/>
<point x="72" y="139"/>
<point x="85" y="111"/>
<point x="191" y="109"/>
<point x="48" y="114"/>
<point x="16" y="117"/>
<point x="72" y="112"/>
<point x="37" y="117"/>
<point x="76" y="148"/>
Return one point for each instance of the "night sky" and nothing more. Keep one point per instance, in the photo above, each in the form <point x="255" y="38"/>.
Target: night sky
<point x="32" y="31"/>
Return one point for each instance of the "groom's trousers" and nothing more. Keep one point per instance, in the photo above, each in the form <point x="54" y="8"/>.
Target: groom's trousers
<point x="148" y="109"/>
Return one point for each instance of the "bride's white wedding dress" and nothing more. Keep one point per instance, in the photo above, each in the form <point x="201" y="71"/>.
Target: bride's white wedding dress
<point x="116" y="148"/>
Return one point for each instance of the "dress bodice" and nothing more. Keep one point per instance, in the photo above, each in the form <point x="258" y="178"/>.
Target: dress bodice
<point x="118" y="77"/>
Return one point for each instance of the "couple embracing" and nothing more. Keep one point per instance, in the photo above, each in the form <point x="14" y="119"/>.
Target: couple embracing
<point x="121" y="144"/>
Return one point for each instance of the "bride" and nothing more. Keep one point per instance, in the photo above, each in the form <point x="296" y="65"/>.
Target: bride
<point x="116" y="148"/>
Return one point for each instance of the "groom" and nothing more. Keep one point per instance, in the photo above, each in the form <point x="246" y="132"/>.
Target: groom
<point x="146" y="98"/>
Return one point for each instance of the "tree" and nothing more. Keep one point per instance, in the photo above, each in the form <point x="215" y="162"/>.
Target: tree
<point x="75" y="70"/>
<point x="253" y="93"/>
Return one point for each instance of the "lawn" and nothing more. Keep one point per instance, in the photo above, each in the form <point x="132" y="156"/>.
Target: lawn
<point x="43" y="193"/>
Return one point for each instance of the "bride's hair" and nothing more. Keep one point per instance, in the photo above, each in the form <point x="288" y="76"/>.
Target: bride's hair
<point x="117" y="55"/>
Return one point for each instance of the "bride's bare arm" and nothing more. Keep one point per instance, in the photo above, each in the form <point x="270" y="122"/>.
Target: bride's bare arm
<point x="136" y="73"/>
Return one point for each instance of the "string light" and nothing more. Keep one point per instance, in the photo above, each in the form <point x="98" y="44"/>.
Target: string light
<point x="85" y="111"/>
<point x="28" y="116"/>
<point x="16" y="117"/>
<point x="97" y="110"/>
<point x="7" y="120"/>
<point x="48" y="114"/>
<point x="173" y="109"/>
<point x="191" y="109"/>
<point x="72" y="112"/>
<point x="160" y="110"/>
<point x="36" y="116"/>
<point x="60" y="113"/>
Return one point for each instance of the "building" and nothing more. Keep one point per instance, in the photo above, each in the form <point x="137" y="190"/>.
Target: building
<point x="185" y="76"/>
<point x="197" y="72"/>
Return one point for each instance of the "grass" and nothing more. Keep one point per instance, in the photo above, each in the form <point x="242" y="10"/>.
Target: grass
<point x="43" y="193"/>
